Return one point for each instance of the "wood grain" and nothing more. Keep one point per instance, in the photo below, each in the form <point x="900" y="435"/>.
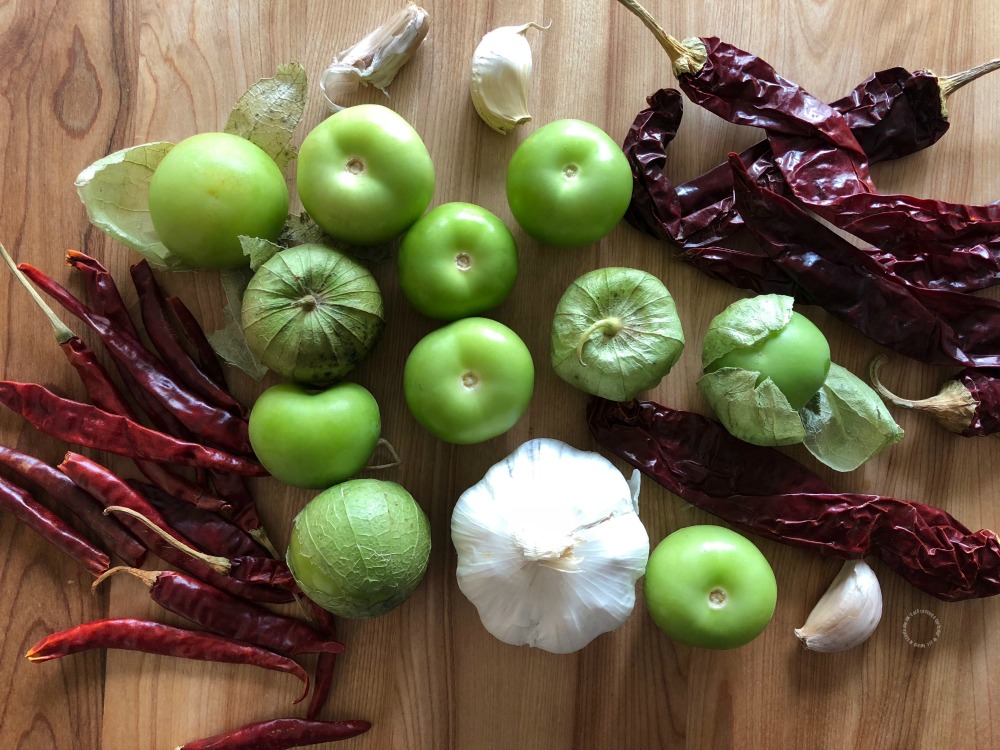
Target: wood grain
<point x="81" y="79"/>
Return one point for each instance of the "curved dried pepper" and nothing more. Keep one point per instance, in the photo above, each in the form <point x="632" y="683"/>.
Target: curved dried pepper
<point x="763" y="491"/>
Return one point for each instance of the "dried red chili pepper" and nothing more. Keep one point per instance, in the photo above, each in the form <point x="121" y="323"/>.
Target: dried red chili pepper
<point x="209" y="531"/>
<point x="207" y="422"/>
<point x="165" y="640"/>
<point x="102" y="291"/>
<point x="325" y="663"/>
<point x="111" y="491"/>
<point x="892" y="114"/>
<point x="234" y="489"/>
<point x="155" y="319"/>
<point x="254" y="570"/>
<point x="825" y="166"/>
<point x="91" y="427"/>
<point x="60" y="487"/>
<point x="763" y="491"/>
<point x="207" y="357"/>
<point x="228" y="616"/>
<point x="967" y="404"/>
<point x="933" y="326"/>
<point x="281" y="734"/>
<point x="51" y="528"/>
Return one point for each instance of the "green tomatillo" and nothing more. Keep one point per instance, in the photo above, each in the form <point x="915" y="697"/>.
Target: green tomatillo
<point x="314" y="439"/>
<point x="457" y="260"/>
<point x="708" y="586"/>
<point x="207" y="191"/>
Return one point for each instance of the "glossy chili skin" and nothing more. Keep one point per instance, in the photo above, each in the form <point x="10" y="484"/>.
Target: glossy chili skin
<point x="281" y="734"/>
<point x="104" y="394"/>
<point x="204" y="420"/>
<point x="826" y="168"/>
<point x="102" y="291"/>
<point x="156" y="321"/>
<point x="984" y="387"/>
<point x="325" y="664"/>
<point x="892" y="114"/>
<point x="210" y="532"/>
<point x="86" y="425"/>
<point x="51" y="528"/>
<point x="931" y="326"/>
<point x="111" y="490"/>
<point x="763" y="491"/>
<point x="165" y="640"/>
<point x="234" y="618"/>
<point x="195" y="334"/>
<point x="60" y="487"/>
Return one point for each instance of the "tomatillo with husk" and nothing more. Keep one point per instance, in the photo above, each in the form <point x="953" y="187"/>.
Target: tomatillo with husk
<point x="312" y="313"/>
<point x="616" y="333"/>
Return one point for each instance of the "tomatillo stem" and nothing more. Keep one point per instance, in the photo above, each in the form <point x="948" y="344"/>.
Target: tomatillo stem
<point x="609" y="326"/>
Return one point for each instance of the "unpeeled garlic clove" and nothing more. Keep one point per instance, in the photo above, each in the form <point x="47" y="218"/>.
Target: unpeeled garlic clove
<point x="377" y="58"/>
<point x="501" y="69"/>
<point x="847" y="613"/>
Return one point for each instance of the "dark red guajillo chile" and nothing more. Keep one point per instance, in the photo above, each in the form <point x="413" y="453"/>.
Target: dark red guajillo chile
<point x="86" y="425"/>
<point x="967" y="404"/>
<point x="207" y="357"/>
<point x="822" y="161"/>
<point x="244" y="514"/>
<point x="102" y="291"/>
<point x="205" y="421"/>
<point x="763" y="491"/>
<point x="281" y="734"/>
<point x="104" y="394"/>
<point x="111" y="491"/>
<point x="209" y="531"/>
<point x="228" y="616"/>
<point x="52" y="528"/>
<point x="156" y="320"/>
<point x="932" y="326"/>
<point x="325" y="663"/>
<point x="892" y="114"/>
<point x="164" y="640"/>
<point x="118" y="540"/>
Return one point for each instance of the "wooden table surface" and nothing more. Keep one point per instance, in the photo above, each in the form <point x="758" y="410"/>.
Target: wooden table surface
<point x="81" y="79"/>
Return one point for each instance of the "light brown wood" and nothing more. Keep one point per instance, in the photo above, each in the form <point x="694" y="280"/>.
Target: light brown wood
<point x="81" y="79"/>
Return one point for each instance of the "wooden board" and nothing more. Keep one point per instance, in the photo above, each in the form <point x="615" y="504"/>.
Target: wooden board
<point x="81" y="79"/>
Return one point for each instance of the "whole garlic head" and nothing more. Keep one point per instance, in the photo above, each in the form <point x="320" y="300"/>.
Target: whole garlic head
<point x="550" y="546"/>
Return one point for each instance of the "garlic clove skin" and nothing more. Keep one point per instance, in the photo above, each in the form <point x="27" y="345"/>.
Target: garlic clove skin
<point x="847" y="614"/>
<point x="501" y="70"/>
<point x="377" y="58"/>
<point x="550" y="547"/>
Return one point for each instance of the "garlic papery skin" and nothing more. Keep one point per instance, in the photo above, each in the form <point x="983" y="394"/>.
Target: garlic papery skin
<point x="377" y="58"/>
<point x="501" y="70"/>
<point x="847" y="613"/>
<point x="550" y="546"/>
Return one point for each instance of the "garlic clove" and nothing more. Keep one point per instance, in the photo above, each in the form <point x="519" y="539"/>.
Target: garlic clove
<point x="847" y="614"/>
<point x="377" y="58"/>
<point x="501" y="69"/>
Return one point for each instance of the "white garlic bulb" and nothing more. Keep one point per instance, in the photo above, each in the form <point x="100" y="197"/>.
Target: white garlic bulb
<point x="550" y="546"/>
<point x="501" y="69"/>
<point x="847" y="614"/>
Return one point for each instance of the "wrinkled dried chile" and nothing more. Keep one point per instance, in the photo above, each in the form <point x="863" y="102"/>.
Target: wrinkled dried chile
<point x="281" y="734"/>
<point x="156" y="638"/>
<point x="763" y="491"/>
<point x="892" y="114"/>
<point x="931" y="326"/>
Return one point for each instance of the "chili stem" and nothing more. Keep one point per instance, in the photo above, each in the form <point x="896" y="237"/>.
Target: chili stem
<point x="673" y="47"/>
<point x="148" y="577"/>
<point x="950" y="84"/>
<point x="61" y="330"/>
<point x="219" y="564"/>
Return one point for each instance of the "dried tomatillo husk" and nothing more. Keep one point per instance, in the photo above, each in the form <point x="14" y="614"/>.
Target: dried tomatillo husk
<point x="615" y="333"/>
<point x="968" y="404"/>
<point x="311" y="314"/>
